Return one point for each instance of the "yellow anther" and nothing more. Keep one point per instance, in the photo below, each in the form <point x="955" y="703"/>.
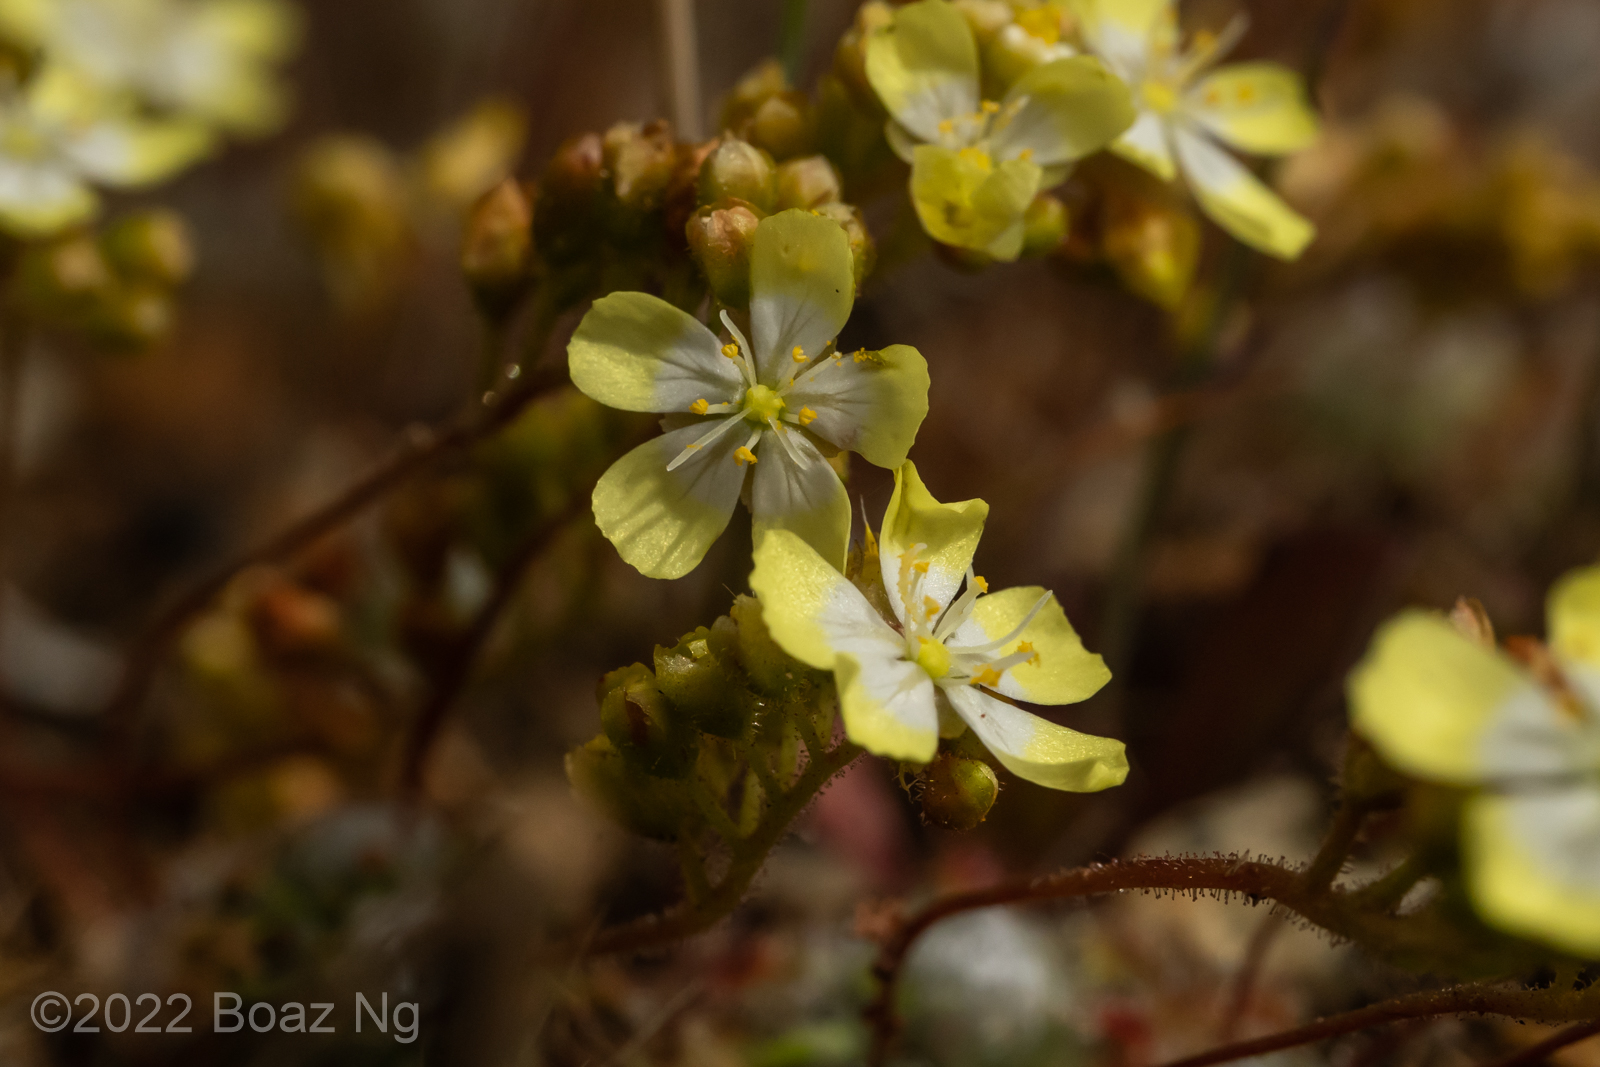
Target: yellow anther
<point x="976" y="157"/>
<point x="731" y="350"/>
<point x="807" y="416"/>
<point x="861" y="355"/>
<point x="798" y="355"/>
<point x="1041" y="22"/>
<point x="1026" y="648"/>
<point x="743" y="456"/>
<point x="700" y="407"/>
<point x="987" y="676"/>
<point x="947" y="126"/>
<point x="1026" y="155"/>
<point x="1213" y="97"/>
<point x="692" y="448"/>
<point x="981" y="582"/>
<point x="931" y="606"/>
<point x="920" y="567"/>
<point x="1159" y="96"/>
<point x="1247" y="93"/>
<point x="989" y="107"/>
<point x="1204" y="40"/>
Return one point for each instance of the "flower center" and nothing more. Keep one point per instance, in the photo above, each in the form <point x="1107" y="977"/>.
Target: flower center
<point x="1159" y="96"/>
<point x="933" y="657"/>
<point x="761" y="404"/>
<point x="1043" y="23"/>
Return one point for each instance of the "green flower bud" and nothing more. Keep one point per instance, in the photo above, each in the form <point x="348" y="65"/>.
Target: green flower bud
<point x="702" y="677"/>
<point x="655" y="808"/>
<point x="1045" y="225"/>
<point x="641" y="161"/>
<point x="1154" y="247"/>
<point x="643" y="725"/>
<point x="751" y="91"/>
<point x="130" y="316"/>
<point x="720" y="239"/>
<point x="737" y="170"/>
<point x="807" y="183"/>
<point x="783" y="125"/>
<point x="957" y="792"/>
<point x="769" y="667"/>
<point x="497" y="248"/>
<point x="150" y="246"/>
<point x="862" y="248"/>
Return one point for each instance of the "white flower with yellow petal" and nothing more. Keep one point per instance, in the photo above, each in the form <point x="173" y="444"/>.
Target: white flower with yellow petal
<point x="764" y="413"/>
<point x="209" y="59"/>
<point x="57" y="136"/>
<point x="1186" y="107"/>
<point x="977" y="164"/>
<point x="1441" y="707"/>
<point x="936" y="667"/>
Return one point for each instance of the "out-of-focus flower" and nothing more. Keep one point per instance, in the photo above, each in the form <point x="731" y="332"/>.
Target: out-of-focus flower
<point x="977" y="164"/>
<point x="758" y="419"/>
<point x="57" y="135"/>
<point x="1523" y="732"/>
<point x="475" y="153"/>
<point x="903" y="686"/>
<point x="350" y="198"/>
<point x="1184" y="111"/>
<point x="211" y="60"/>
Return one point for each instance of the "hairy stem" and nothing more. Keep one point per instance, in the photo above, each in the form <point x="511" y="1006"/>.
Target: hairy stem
<point x="1554" y="1043"/>
<point x="749" y="855"/>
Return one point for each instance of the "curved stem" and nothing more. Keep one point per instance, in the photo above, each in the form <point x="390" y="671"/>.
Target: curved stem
<point x="419" y="449"/>
<point x="1459" y="1000"/>
<point x="1554" y="1043"/>
<point x="749" y="856"/>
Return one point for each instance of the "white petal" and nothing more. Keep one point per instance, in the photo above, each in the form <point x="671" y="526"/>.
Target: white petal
<point x="1145" y="144"/>
<point x="1037" y="749"/>
<point x="807" y="500"/>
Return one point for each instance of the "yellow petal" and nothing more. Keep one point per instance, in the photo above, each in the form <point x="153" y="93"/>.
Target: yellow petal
<point x="1065" y="671"/>
<point x="809" y="501"/>
<point x="1257" y="107"/>
<point x="1073" y="107"/>
<point x="888" y="707"/>
<point x="663" y="522"/>
<point x="639" y="353"/>
<point x="949" y="535"/>
<point x="924" y="67"/>
<point x="1039" y="750"/>
<point x="1238" y="201"/>
<point x="802" y="286"/>
<point x="965" y="200"/>
<point x="1574" y="616"/>
<point x="813" y="611"/>
<point x="1532" y="868"/>
<point x="1425" y="696"/>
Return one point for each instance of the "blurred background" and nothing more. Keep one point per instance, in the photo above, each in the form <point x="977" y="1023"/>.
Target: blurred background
<point x="1405" y="415"/>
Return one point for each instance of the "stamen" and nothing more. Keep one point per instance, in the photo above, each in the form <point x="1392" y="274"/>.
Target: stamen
<point x="689" y="450"/>
<point x="800" y="459"/>
<point x="987" y="676"/>
<point x="741" y="346"/>
<point x="731" y="350"/>
<point x="921" y="567"/>
<point x="807" y="416"/>
<point x="947" y="126"/>
<point x="981" y="582"/>
<point x="798" y="355"/>
<point x="989" y="107"/>
<point x="743" y="456"/>
<point x="701" y="406"/>
<point x="931" y="606"/>
<point x="1026" y="155"/>
<point x="1021" y="627"/>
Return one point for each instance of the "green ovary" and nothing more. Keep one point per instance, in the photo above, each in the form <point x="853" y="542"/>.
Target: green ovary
<point x="933" y="657"/>
<point x="761" y="404"/>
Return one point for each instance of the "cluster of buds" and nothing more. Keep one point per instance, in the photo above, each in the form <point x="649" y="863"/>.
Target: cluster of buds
<point x="681" y="740"/>
<point x="114" y="286"/>
<point x="740" y="184"/>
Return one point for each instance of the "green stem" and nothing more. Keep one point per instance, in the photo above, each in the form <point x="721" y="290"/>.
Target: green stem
<point x="792" y="39"/>
<point x="748" y="857"/>
<point x="1329" y="860"/>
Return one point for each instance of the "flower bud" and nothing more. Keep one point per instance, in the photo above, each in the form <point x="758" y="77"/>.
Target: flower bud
<point x="862" y="248"/>
<point x="738" y="170"/>
<point x="807" y="183"/>
<point x="702" y="677"/>
<point x="1154" y="247"/>
<point x="497" y="248"/>
<point x="769" y="667"/>
<point x="850" y="57"/>
<point x="1015" y="49"/>
<point x="957" y="792"/>
<point x="642" y="724"/>
<point x="151" y="245"/>
<point x="350" y="197"/>
<point x="130" y="316"/>
<point x="751" y="91"/>
<point x="656" y="808"/>
<point x="720" y="239"/>
<point x="640" y="160"/>
<point x="568" y="196"/>
<point x="783" y="125"/>
<point x="1045" y="225"/>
